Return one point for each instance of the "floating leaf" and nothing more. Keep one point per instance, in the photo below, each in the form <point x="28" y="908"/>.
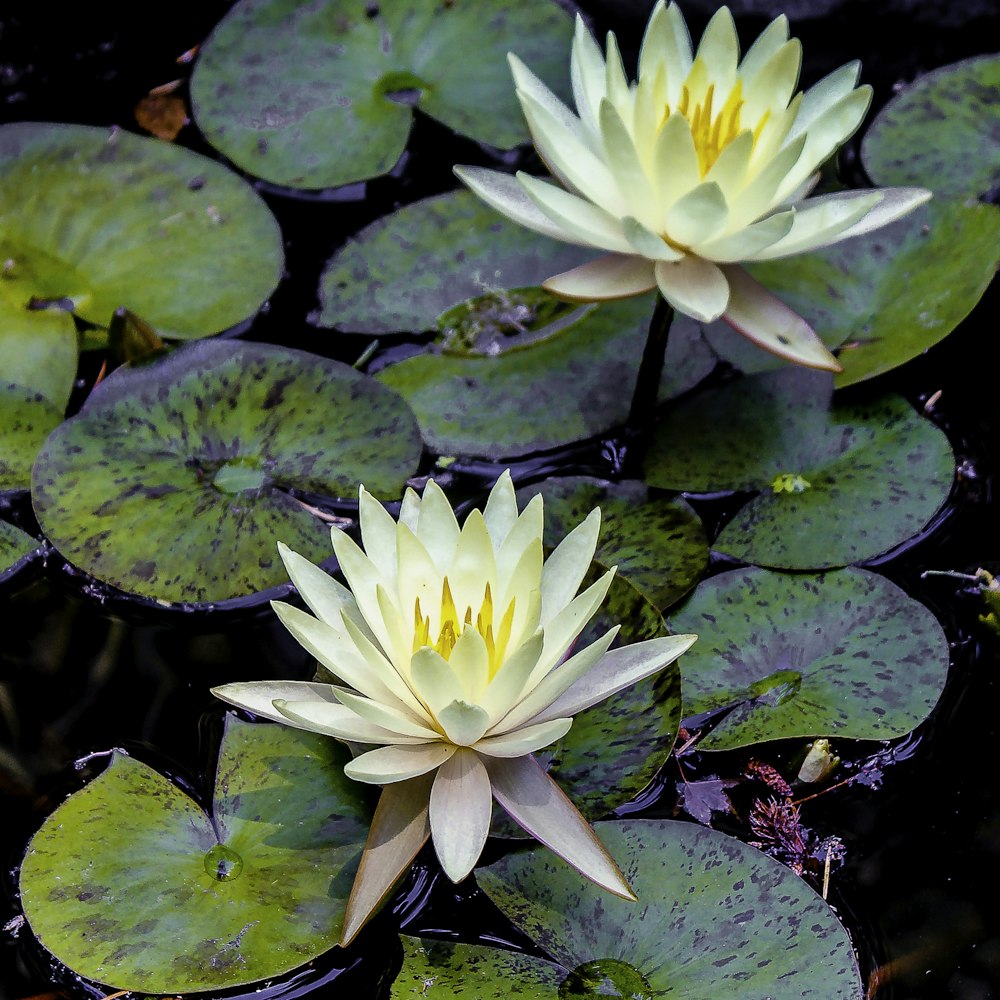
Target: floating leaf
<point x="177" y="479"/>
<point x="715" y="919"/>
<point x="129" y="883"/>
<point x="843" y="654"/>
<point x="320" y="95"/>
<point x="657" y="543"/>
<point x="104" y="219"/>
<point x="878" y="472"/>
<point x="941" y="132"/>
<point x="15" y="545"/>
<point x="26" y="418"/>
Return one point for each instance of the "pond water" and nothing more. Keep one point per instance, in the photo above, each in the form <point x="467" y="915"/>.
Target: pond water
<point x="82" y="672"/>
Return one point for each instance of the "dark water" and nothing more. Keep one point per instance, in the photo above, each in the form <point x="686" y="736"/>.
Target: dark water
<point x="917" y="886"/>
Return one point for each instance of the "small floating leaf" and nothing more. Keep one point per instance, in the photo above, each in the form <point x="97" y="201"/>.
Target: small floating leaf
<point x="177" y="479"/>
<point x="320" y="95"/>
<point x="845" y="653"/>
<point x="129" y="883"/>
<point x="15" y="545"/>
<point x="26" y="418"/>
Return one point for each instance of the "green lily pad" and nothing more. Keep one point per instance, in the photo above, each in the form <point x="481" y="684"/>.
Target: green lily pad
<point x="843" y="654"/>
<point x="177" y="480"/>
<point x="129" y="883"/>
<point x="883" y="298"/>
<point x="15" y="545"/>
<point x="715" y="918"/>
<point x="404" y="270"/>
<point x="319" y="95"/>
<point x="26" y="419"/>
<point x="869" y="475"/>
<point x="107" y="219"/>
<point x="941" y="132"/>
<point x="657" y="543"/>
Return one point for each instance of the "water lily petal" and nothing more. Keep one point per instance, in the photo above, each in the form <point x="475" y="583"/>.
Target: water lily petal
<point x="507" y="685"/>
<point x="566" y="567"/>
<point x="719" y="51"/>
<point x="324" y="596"/>
<point x="338" y="721"/>
<point x="746" y="243"/>
<point x="364" y="578"/>
<point x="614" y="277"/>
<point x="525" y="740"/>
<point x="587" y="73"/>
<point x="539" y="805"/>
<point x="763" y="318"/>
<point x="474" y="565"/>
<point x="645" y="242"/>
<point x="470" y="660"/>
<point x="386" y="716"/>
<point x="422" y="579"/>
<point x="527" y="83"/>
<point x="562" y="631"/>
<point x="667" y="43"/>
<point x="620" y="154"/>
<point x="400" y="827"/>
<point x="258" y="697"/>
<point x="823" y="95"/>
<point x="760" y="194"/>
<point x="463" y="723"/>
<point x="530" y="525"/>
<point x="676" y="170"/>
<point x="694" y="287"/>
<point x="398" y="633"/>
<point x="437" y="527"/>
<point x="385" y="765"/>
<point x="378" y="533"/>
<point x="769" y="41"/>
<point x="435" y="681"/>
<point x="775" y="83"/>
<point x="521" y="579"/>
<point x="461" y="807"/>
<point x="397" y="682"/>
<point x="730" y="170"/>
<point x="616" y="88"/>
<point x="895" y="203"/>
<point x="698" y="216"/>
<point x="409" y="509"/>
<point x="500" y="512"/>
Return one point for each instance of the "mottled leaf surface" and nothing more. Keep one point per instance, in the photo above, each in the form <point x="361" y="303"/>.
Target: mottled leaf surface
<point x="941" y="132"/>
<point x="876" y="472"/>
<point x="318" y="95"/>
<point x="105" y="219"/>
<point x="845" y="653"/>
<point x="26" y="418"/>
<point x="657" y="543"/>
<point x="886" y="297"/>
<point x="15" y="544"/>
<point x="120" y="882"/>
<point x="177" y="480"/>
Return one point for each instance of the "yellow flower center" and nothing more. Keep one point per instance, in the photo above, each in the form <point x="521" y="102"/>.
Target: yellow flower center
<point x="453" y="625"/>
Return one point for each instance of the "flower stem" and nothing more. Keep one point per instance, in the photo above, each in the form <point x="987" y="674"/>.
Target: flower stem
<point x="639" y="425"/>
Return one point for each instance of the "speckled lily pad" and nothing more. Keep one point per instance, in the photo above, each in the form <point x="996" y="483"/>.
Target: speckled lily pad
<point x="318" y="95"/>
<point x="15" y="546"/>
<point x="941" y="132"/>
<point x="130" y="884"/>
<point x="844" y="654"/>
<point x="836" y="484"/>
<point x="102" y="218"/>
<point x="886" y="297"/>
<point x="715" y="919"/>
<point x="657" y="543"/>
<point x="26" y="418"/>
<point x="177" y="480"/>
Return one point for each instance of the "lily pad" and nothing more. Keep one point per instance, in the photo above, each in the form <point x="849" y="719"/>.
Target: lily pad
<point x="102" y="218"/>
<point x="319" y="95"/>
<point x="657" y="543"/>
<point x="835" y="484"/>
<point x="886" y="297"/>
<point x="26" y="418"/>
<point x="404" y="270"/>
<point x="15" y="545"/>
<point x="177" y="479"/>
<point x="129" y="883"/>
<point x="942" y="132"/>
<point x="843" y="654"/>
<point x="715" y="919"/>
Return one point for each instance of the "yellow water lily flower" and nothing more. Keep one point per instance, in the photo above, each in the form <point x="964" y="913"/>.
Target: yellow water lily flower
<point x="453" y="649"/>
<point x="704" y="162"/>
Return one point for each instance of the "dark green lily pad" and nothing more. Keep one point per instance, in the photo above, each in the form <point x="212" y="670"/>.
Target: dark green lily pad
<point x="15" y="545"/>
<point x="886" y="297"/>
<point x="942" y="132"/>
<point x="129" y="883"/>
<point x="404" y="270"/>
<point x="319" y="95"/>
<point x="836" y="484"/>
<point x="715" y="918"/>
<point x="26" y="418"/>
<point x="836" y="654"/>
<point x="657" y="543"/>
<point x="104" y="219"/>
<point x="177" y="480"/>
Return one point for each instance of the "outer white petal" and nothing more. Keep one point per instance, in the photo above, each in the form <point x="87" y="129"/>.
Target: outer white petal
<point x="587" y="74"/>
<point x="760" y="194"/>
<point x="364" y="579"/>
<point x="508" y="684"/>
<point x="385" y="716"/>
<point x="719" y="50"/>
<point x="525" y="531"/>
<point x="259" y="696"/>
<point x="667" y="43"/>
<point x="527" y="83"/>
<point x="626" y="167"/>
<point x="385" y="765"/>
<point x="540" y="806"/>
<point x="409" y="509"/>
<point x="382" y="668"/>
<point x="698" y="216"/>
<point x="615" y="277"/>
<point x="500" y="512"/>
<point x="378" y="533"/>
<point x="694" y="287"/>
<point x="461" y="807"/>
<point x="463" y="723"/>
<point x="565" y="568"/>
<point x="618" y="669"/>
<point x="324" y="596"/>
<point x="747" y="243"/>
<point x="895" y="203"/>
<point x="763" y="318"/>
<point x="646" y="243"/>
<point x="775" y="83"/>
<point x="437" y="526"/>
<point x="822" y="96"/>
<point x="766" y="44"/>
<point x="337" y="721"/>
<point x="525" y="740"/>
<point x="616" y="88"/>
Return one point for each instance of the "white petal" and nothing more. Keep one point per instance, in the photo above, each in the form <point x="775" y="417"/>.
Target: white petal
<point x="436" y="683"/>
<point x="509" y="681"/>
<point x="525" y="740"/>
<point x="381" y="667"/>
<point x="730" y="170"/>
<point x="766" y="44"/>
<point x="338" y="721"/>
<point x="587" y="71"/>
<point x="719" y="50"/>
<point x="378" y="533"/>
<point x="385" y="765"/>
<point x="694" y="287"/>
<point x="419" y="578"/>
<point x="775" y="83"/>
<point x="763" y="318"/>
<point x="437" y="527"/>
<point x="324" y="596"/>
<point x="566" y="567"/>
<point x="540" y="806"/>
<point x="528" y="527"/>
<point x="409" y="509"/>
<point x="760" y="195"/>
<point x="527" y="83"/>
<point x="895" y="203"/>
<point x="676" y="170"/>
<point x="400" y="827"/>
<point x="364" y="579"/>
<point x="563" y="629"/>
<point x="629" y="174"/>
<point x="474" y="565"/>
<point x="822" y="96"/>
<point x="470" y="660"/>
<point x="618" y="669"/>
<point x="747" y="243"/>
<point x="615" y="277"/>
<point x="616" y="88"/>
<point x="644" y="241"/>
<point x="500" y="512"/>
<point x="386" y="716"/>
<point x="667" y="43"/>
<point x="461" y="807"/>
<point x="259" y="696"/>
<point x="463" y="723"/>
<point x="698" y="216"/>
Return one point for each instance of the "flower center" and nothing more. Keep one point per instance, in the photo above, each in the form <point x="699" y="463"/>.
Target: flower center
<point x="496" y="637"/>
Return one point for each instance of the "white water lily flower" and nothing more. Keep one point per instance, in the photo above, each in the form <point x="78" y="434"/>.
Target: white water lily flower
<point x="704" y="162"/>
<point x="453" y="649"/>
